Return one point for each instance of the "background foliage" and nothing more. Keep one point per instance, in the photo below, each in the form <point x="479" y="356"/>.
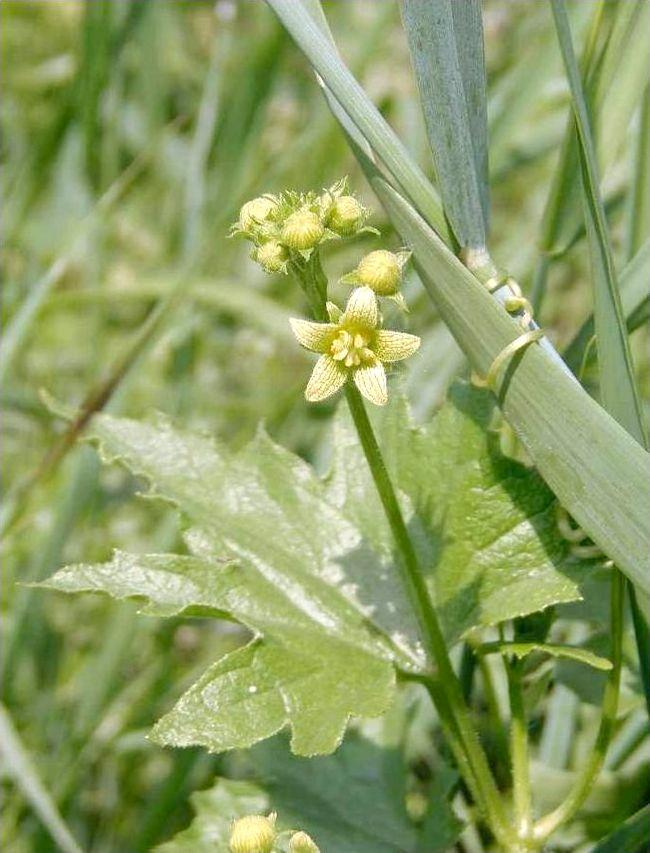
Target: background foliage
<point x="132" y="133"/>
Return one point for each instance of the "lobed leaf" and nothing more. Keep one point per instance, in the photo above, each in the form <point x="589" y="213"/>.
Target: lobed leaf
<point x="308" y="564"/>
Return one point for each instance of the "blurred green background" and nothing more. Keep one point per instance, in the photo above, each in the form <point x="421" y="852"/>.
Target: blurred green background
<point x="132" y="132"/>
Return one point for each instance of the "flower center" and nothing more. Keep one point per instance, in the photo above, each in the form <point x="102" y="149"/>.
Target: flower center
<point x="351" y="347"/>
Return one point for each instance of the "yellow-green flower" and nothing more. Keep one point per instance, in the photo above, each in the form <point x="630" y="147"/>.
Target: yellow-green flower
<point x="381" y="271"/>
<point x="352" y="346"/>
<point x="253" y="834"/>
<point x="302" y="843"/>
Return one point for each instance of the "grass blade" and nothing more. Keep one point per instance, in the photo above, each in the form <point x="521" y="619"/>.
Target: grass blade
<point x="446" y="44"/>
<point x="638" y="228"/>
<point x="19" y="766"/>
<point x="615" y="71"/>
<point x="312" y="41"/>
<point x="635" y="298"/>
<point x="618" y="388"/>
<point x="632" y="836"/>
<point x="597" y="470"/>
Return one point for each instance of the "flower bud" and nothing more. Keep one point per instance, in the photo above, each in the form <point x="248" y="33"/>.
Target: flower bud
<point x="381" y="271"/>
<point x="256" y="211"/>
<point x="271" y="256"/>
<point x="302" y="843"/>
<point x="253" y="834"/>
<point x="345" y="216"/>
<point x="302" y="230"/>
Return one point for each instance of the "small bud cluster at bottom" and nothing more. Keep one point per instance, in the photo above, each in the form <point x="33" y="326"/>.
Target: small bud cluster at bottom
<point x="253" y="834"/>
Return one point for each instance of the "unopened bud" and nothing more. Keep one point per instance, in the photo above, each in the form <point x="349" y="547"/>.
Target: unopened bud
<point x="302" y="230"/>
<point x="381" y="271"/>
<point x="345" y="216"/>
<point x="253" y="834"/>
<point x="271" y="256"/>
<point x="256" y="211"/>
<point x="302" y="843"/>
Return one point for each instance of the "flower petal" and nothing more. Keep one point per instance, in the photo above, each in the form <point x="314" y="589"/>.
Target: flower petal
<point x="361" y="309"/>
<point x="316" y="337"/>
<point x="326" y="379"/>
<point x="394" y="346"/>
<point x="371" y="381"/>
<point x="333" y="312"/>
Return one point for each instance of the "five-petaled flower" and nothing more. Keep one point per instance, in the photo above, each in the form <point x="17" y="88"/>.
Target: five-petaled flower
<point x="353" y="346"/>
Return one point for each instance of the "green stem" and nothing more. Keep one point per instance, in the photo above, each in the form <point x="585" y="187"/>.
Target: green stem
<point x="519" y="751"/>
<point x="436" y="648"/>
<point x="585" y="781"/>
<point x="444" y="688"/>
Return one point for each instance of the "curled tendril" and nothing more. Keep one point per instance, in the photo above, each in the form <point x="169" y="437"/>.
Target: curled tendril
<point x="515" y="304"/>
<point x="580" y="545"/>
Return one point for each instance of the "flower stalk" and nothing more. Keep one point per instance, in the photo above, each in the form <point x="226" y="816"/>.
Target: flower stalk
<point x="443" y="686"/>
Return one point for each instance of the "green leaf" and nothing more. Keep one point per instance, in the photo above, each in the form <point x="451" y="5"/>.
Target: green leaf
<point x="638" y="206"/>
<point x="615" y="74"/>
<point x="20" y="767"/>
<point x="522" y="650"/>
<point x="446" y="44"/>
<point x="484" y="524"/>
<point x="635" y="298"/>
<point x="351" y="802"/>
<point x="633" y="836"/>
<point x="308" y="682"/>
<point x="597" y="470"/>
<point x="308" y="566"/>
<point x="215" y="809"/>
<point x="618" y="388"/>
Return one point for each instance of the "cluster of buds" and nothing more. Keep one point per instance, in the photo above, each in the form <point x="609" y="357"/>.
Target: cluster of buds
<point x="291" y="224"/>
<point x="258" y="834"/>
<point x="353" y="345"/>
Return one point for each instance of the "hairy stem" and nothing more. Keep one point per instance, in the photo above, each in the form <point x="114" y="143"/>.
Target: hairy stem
<point x="585" y="781"/>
